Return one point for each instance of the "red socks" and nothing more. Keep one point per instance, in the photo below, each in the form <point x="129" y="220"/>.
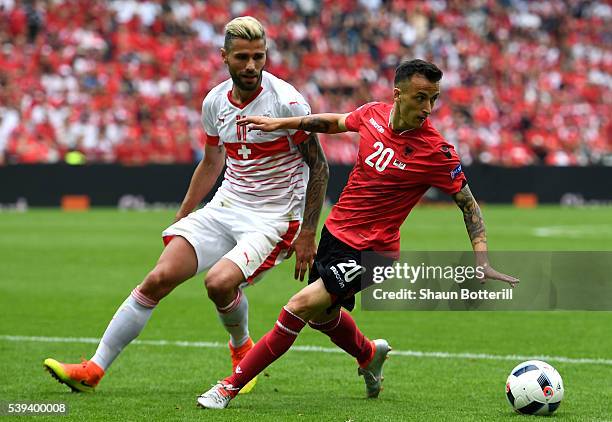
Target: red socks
<point x="269" y="348"/>
<point x="344" y="333"/>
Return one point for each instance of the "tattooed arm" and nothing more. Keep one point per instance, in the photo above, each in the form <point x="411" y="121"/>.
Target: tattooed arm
<point x="319" y="123"/>
<point x="473" y="219"/>
<point x="304" y="246"/>
<point x="478" y="236"/>
<point x="317" y="183"/>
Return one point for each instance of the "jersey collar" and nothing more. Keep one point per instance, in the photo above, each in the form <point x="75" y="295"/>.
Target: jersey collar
<point x="247" y="102"/>
<point x="402" y="133"/>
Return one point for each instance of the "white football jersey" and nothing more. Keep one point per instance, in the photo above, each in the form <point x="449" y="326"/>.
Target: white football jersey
<point x="265" y="172"/>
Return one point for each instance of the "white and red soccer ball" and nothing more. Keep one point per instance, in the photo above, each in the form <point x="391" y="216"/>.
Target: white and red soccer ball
<point x="535" y="388"/>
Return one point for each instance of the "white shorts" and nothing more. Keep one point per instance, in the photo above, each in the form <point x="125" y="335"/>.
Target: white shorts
<point x="253" y="243"/>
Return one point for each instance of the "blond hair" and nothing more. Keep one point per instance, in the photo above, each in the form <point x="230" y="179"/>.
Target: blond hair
<point x="244" y="27"/>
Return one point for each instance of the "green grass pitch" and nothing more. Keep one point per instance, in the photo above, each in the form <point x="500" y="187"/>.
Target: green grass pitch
<point x="64" y="274"/>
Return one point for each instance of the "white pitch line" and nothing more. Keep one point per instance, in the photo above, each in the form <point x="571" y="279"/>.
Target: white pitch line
<point x="582" y="231"/>
<point x="318" y="349"/>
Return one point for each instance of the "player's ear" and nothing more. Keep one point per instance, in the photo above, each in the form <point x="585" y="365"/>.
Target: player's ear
<point x="396" y="94"/>
<point x="224" y="55"/>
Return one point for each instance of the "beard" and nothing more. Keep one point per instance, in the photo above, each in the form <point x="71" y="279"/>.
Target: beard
<point x="244" y="86"/>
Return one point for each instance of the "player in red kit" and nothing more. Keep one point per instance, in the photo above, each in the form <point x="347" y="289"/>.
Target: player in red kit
<point x="400" y="157"/>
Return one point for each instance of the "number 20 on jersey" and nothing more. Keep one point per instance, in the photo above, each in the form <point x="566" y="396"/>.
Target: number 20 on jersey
<point x="385" y="155"/>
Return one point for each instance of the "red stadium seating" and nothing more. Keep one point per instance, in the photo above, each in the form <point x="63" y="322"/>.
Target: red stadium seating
<point x="122" y="81"/>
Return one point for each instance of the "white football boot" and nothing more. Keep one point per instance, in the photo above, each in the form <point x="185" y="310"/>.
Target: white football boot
<point x="217" y="397"/>
<point x="373" y="373"/>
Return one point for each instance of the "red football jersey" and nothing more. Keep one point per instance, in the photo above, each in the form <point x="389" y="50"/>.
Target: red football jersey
<point x="392" y="173"/>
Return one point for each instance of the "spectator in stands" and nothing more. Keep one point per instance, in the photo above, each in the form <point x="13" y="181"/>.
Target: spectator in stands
<point x="122" y="80"/>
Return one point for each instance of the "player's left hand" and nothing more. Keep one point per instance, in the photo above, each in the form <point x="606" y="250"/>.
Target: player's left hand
<point x="491" y="273"/>
<point x="305" y="250"/>
<point x="263" y="123"/>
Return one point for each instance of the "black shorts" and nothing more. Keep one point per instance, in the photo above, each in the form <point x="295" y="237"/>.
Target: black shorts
<point x="342" y="269"/>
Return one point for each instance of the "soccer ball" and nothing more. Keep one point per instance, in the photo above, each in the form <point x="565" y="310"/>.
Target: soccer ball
<point x="535" y="388"/>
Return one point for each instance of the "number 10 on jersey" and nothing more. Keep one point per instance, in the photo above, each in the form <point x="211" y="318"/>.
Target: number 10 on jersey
<point x="241" y="131"/>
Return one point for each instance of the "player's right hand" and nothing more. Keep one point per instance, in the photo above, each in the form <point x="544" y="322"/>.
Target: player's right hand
<point x="305" y="249"/>
<point x="266" y="124"/>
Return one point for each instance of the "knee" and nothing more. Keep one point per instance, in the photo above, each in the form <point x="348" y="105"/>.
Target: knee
<point x="301" y="305"/>
<point x="220" y="287"/>
<point x="158" y="283"/>
<point x="324" y="321"/>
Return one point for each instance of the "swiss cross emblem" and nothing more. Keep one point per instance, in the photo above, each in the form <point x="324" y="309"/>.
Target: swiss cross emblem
<point x="244" y="151"/>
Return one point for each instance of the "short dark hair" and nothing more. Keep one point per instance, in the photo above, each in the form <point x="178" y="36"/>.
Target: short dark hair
<point x="417" y="66"/>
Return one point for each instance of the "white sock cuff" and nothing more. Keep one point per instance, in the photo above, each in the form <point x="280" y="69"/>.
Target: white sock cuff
<point x="287" y="330"/>
<point x="232" y="305"/>
<point x="141" y="299"/>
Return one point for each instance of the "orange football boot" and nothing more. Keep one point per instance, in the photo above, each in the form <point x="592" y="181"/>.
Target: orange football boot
<point x="80" y="377"/>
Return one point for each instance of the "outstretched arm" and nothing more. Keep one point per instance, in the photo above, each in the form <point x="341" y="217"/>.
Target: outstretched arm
<point x="319" y="123"/>
<point x="478" y="236"/>
<point x="304" y="246"/>
<point x="203" y="179"/>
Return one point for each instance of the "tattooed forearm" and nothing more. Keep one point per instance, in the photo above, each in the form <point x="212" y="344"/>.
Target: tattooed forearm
<point x="317" y="183"/>
<point x="472" y="217"/>
<point x="314" y="124"/>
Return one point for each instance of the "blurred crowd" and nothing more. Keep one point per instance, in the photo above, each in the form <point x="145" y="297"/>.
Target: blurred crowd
<point x="525" y="82"/>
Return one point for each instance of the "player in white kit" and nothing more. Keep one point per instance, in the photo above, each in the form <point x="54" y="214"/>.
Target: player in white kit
<point x="267" y="207"/>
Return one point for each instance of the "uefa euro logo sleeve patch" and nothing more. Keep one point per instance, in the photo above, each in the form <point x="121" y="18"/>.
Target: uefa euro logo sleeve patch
<point x="454" y="173"/>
